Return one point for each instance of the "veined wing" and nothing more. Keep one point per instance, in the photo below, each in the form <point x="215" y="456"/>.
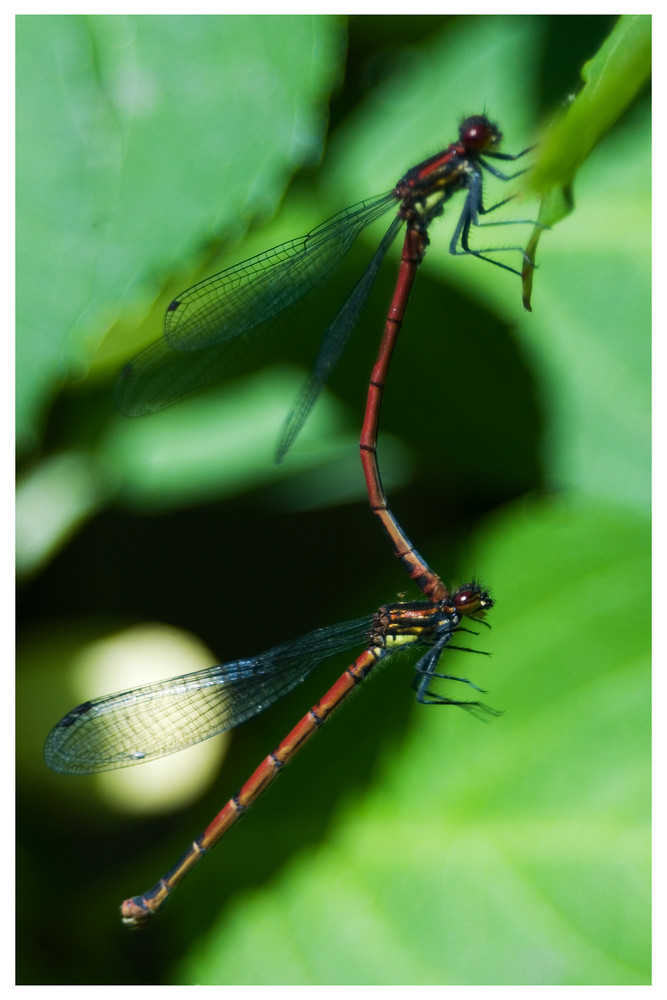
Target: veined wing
<point x="148" y="722"/>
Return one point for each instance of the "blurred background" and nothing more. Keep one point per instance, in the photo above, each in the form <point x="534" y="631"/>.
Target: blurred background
<point x="406" y="845"/>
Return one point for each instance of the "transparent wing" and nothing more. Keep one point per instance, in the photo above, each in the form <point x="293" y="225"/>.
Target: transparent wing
<point x="234" y="301"/>
<point x="157" y="719"/>
<point x="224" y="317"/>
<point x="333" y="344"/>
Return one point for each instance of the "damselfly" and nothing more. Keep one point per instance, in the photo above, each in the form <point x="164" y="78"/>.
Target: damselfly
<point x="158" y="719"/>
<point x="208" y="326"/>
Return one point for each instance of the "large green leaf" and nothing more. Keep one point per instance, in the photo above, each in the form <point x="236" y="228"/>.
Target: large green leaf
<point x="137" y="144"/>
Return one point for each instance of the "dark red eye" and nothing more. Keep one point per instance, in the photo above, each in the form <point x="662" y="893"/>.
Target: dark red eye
<point x="470" y="599"/>
<point x="478" y="133"/>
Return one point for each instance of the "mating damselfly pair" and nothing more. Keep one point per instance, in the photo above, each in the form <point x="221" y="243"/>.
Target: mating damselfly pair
<point x="205" y="328"/>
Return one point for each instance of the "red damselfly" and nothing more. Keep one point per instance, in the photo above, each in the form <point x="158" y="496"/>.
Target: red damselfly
<point x="162" y="718"/>
<point x="476" y="134"/>
<point x="217" y="320"/>
<point x="414" y="248"/>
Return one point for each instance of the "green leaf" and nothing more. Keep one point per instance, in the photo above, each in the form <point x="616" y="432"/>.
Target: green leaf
<point x="612" y="79"/>
<point x="132" y="153"/>
<point x="589" y="336"/>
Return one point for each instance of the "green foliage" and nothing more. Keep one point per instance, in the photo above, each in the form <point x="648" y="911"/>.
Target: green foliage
<point x="139" y="140"/>
<point x="612" y="79"/>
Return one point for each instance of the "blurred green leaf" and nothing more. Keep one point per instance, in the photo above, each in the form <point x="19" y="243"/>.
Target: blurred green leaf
<point x="51" y="503"/>
<point x="132" y="151"/>
<point x="223" y="444"/>
<point x="589" y="338"/>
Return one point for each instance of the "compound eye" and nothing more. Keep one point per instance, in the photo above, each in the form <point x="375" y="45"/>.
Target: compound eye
<point x="471" y="598"/>
<point x="478" y="133"/>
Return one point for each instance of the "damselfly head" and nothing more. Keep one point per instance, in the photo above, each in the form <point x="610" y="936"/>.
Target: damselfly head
<point x="478" y="134"/>
<point x="471" y="599"/>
